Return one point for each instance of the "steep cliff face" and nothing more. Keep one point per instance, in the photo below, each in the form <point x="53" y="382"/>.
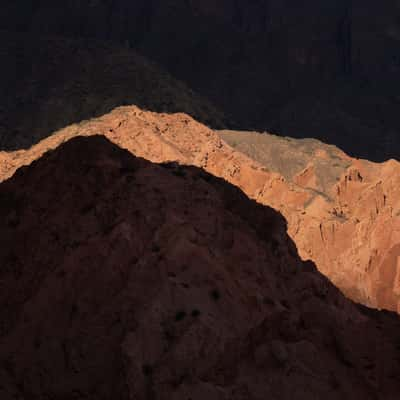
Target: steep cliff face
<point x="350" y="225"/>
<point x="342" y="213"/>
<point x="299" y="68"/>
<point x="128" y="280"/>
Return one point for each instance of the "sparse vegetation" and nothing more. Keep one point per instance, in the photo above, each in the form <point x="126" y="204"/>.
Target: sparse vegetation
<point x="180" y="316"/>
<point x="215" y="294"/>
<point x="155" y="248"/>
<point x="195" y="313"/>
<point x="180" y="172"/>
<point x="147" y="369"/>
<point x="207" y="177"/>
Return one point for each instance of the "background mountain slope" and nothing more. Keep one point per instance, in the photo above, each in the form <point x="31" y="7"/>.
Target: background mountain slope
<point x="49" y="82"/>
<point x="309" y="68"/>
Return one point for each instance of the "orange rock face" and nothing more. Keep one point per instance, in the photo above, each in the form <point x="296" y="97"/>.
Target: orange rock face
<point x="122" y="279"/>
<point x="168" y="137"/>
<point x="350" y="225"/>
<point x="342" y="213"/>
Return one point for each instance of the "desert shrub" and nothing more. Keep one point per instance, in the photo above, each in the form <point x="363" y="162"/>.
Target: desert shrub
<point x="180" y="315"/>
<point x="195" y="313"/>
<point x="215" y="294"/>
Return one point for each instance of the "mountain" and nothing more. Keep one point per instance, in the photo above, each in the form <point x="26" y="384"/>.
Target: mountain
<point x="342" y="213"/>
<point x="125" y="279"/>
<point x="50" y="82"/>
<point x="308" y="68"/>
<point x="350" y="223"/>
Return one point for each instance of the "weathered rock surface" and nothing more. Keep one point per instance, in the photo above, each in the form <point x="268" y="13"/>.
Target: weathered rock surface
<point x="124" y="279"/>
<point x="342" y="213"/>
<point x="350" y="226"/>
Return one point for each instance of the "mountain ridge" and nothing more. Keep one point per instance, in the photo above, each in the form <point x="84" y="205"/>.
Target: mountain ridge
<point x="358" y="201"/>
<point x="138" y="297"/>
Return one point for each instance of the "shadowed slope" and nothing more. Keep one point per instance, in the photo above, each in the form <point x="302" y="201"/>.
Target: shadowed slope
<point x="50" y="82"/>
<point x="310" y="68"/>
<point x="128" y="280"/>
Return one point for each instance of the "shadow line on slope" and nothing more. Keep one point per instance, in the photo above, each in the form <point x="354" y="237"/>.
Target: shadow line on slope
<point x="91" y="286"/>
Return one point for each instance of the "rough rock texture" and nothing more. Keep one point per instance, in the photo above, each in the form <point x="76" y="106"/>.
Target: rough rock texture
<point x="350" y="226"/>
<point x="49" y="82"/>
<point x="310" y="68"/>
<point x="342" y="213"/>
<point x="124" y="279"/>
<point x="308" y="162"/>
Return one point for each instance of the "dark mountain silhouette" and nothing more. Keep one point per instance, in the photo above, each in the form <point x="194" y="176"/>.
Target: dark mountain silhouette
<point x="310" y="68"/>
<point x="49" y="82"/>
<point x="125" y="279"/>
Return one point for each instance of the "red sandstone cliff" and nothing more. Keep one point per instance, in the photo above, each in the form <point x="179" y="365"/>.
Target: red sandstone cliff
<point x="350" y="225"/>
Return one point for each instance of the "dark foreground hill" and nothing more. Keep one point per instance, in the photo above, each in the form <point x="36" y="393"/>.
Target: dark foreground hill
<point x="125" y="279"/>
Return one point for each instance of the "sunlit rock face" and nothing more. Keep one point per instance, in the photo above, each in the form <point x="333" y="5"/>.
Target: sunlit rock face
<point x="342" y="213"/>
<point x="350" y="223"/>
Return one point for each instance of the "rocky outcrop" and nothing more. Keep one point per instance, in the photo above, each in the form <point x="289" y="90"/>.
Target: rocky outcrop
<point x="128" y="280"/>
<point x="350" y="225"/>
<point x="342" y="213"/>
